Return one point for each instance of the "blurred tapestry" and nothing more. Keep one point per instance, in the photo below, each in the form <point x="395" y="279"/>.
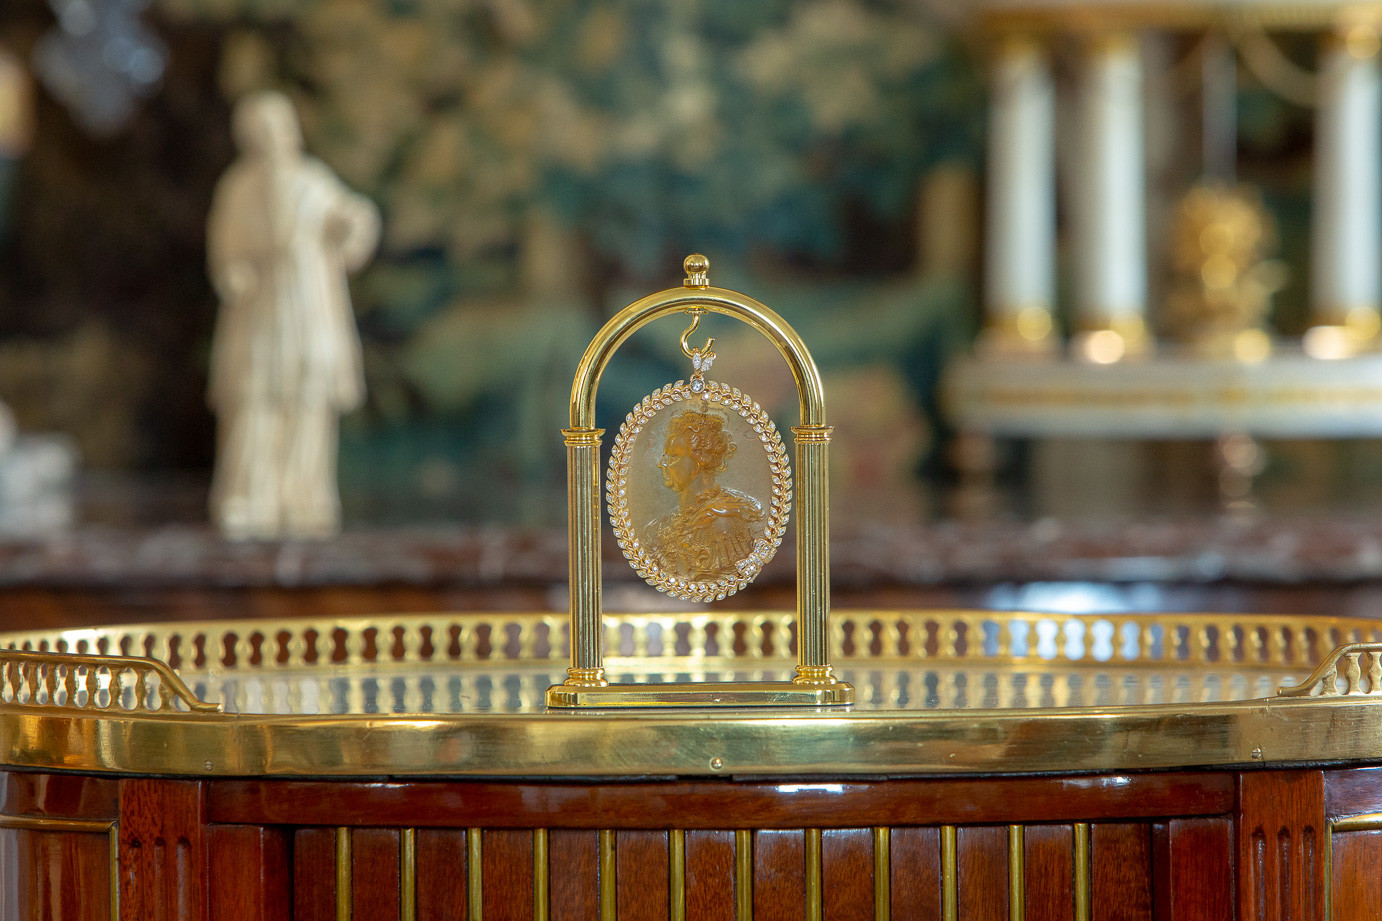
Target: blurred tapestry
<point x="539" y="164"/>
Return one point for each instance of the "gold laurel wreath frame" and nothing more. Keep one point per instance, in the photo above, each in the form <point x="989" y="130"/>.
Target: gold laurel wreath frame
<point x="728" y="398"/>
<point x="815" y="684"/>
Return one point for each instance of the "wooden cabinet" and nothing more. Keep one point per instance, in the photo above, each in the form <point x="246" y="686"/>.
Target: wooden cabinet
<point x="1272" y="844"/>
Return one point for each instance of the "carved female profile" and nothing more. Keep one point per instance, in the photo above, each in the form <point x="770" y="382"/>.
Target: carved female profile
<point x="699" y="487"/>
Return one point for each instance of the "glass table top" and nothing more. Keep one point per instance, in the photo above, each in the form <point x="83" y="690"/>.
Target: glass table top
<point x="442" y="690"/>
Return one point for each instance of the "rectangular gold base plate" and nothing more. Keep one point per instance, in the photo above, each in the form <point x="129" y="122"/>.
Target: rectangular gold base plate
<point x="703" y="694"/>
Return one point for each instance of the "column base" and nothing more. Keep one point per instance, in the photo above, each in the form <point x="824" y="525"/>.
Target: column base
<point x="585" y="678"/>
<point x="1246" y="345"/>
<point x="815" y="676"/>
<point x="1112" y="340"/>
<point x="1355" y="332"/>
<point x="1028" y="332"/>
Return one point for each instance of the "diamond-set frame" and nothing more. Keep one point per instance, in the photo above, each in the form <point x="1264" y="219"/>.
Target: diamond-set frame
<point x="779" y="508"/>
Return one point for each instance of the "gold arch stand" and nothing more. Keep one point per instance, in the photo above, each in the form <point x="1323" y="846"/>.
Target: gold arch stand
<point x="814" y="685"/>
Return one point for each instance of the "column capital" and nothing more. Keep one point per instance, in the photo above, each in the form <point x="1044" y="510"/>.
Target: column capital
<point x="812" y="434"/>
<point x="583" y="437"/>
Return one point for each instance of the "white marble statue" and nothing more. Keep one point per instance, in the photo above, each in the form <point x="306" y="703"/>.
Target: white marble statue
<point x="283" y="234"/>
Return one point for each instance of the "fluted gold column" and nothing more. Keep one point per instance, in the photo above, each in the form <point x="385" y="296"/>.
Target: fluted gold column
<point x="583" y="537"/>
<point x="813" y="554"/>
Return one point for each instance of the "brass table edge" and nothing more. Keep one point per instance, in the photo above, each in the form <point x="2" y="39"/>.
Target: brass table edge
<point x="691" y="743"/>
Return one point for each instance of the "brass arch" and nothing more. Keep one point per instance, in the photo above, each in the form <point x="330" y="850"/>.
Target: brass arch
<point x="713" y="300"/>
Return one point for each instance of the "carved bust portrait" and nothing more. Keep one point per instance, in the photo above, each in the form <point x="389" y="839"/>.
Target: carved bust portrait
<point x="712" y="528"/>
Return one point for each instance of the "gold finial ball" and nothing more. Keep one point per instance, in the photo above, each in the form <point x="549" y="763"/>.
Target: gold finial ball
<point x="697" y="271"/>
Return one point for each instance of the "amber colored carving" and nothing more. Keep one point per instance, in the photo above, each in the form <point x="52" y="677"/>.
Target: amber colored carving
<point x="717" y="539"/>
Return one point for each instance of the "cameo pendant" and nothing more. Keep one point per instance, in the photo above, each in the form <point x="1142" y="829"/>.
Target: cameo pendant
<point x="699" y="486"/>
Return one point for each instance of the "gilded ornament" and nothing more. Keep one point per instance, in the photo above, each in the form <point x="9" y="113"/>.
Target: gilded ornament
<point x="1223" y="280"/>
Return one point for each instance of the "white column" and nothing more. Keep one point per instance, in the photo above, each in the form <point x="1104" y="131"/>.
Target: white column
<point x="1346" y="240"/>
<point x="1019" y="271"/>
<point x="1110" y="211"/>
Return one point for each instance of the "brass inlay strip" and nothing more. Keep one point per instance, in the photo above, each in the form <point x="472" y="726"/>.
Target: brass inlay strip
<point x="114" y="834"/>
<point x="1329" y="866"/>
<point x="950" y="881"/>
<point x="882" y="874"/>
<point x="39" y="823"/>
<point x="344" y="906"/>
<point x="815" y="896"/>
<point x="1369" y="822"/>
<point x="676" y="874"/>
<point x="1083" y="896"/>
<point x="541" y="876"/>
<point x="407" y="874"/>
<point x="609" y="906"/>
<point x="474" y="875"/>
<point x="1017" y="875"/>
<point x="743" y="875"/>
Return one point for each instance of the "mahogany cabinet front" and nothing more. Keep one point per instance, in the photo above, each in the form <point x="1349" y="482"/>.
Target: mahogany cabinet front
<point x="1270" y="844"/>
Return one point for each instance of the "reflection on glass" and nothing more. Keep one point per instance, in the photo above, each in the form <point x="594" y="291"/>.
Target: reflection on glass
<point x="912" y="687"/>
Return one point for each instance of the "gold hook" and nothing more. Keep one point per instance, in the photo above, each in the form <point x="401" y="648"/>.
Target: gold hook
<point x="690" y="330"/>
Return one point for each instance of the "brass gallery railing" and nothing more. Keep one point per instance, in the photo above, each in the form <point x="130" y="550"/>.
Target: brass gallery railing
<point x="94" y="682"/>
<point x="1265" y="641"/>
<point x="1342" y="674"/>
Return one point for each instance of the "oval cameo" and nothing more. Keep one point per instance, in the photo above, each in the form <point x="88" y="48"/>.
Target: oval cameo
<point x="699" y="490"/>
